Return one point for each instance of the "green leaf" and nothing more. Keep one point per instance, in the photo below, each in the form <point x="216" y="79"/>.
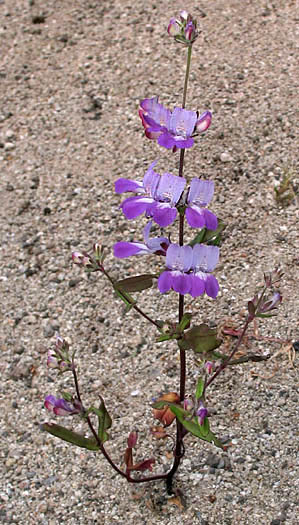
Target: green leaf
<point x="201" y="431"/>
<point x="199" y="388"/>
<point x="135" y="284"/>
<point x="265" y="316"/>
<point x="125" y="297"/>
<point x="164" y="337"/>
<point x="105" y="420"/>
<point x="70" y="436"/>
<point x="201" y="339"/>
<point x="198" y="237"/>
<point x="211" y="237"/>
<point x="185" y="322"/>
<point x="68" y="397"/>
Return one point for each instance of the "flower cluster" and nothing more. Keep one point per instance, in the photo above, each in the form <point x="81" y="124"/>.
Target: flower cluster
<point x="159" y="195"/>
<point x="59" y="358"/>
<point x="172" y="129"/>
<point x="183" y="29"/>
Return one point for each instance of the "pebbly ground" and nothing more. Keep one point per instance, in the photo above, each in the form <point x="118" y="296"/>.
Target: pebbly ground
<point x="71" y="75"/>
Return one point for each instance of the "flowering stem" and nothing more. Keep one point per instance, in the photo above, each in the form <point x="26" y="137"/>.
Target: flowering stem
<point x="179" y="446"/>
<point x="187" y="75"/>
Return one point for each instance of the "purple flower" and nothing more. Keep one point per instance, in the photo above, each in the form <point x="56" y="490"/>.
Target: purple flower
<point x="205" y="259"/>
<point x="61" y="407"/>
<point x="201" y="413"/>
<point x="173" y="129"/>
<point x="199" y="196"/>
<point x="178" y="261"/>
<point x="157" y="196"/>
<point x="157" y="245"/>
<point x="189" y="270"/>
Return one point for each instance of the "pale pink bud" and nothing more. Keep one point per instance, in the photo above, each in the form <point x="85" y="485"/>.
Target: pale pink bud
<point x="80" y="258"/>
<point x="209" y="366"/>
<point x="204" y="121"/>
<point x="173" y="27"/>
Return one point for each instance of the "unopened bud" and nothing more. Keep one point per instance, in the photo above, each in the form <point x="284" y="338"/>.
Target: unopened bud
<point x="81" y="259"/>
<point x="203" y="122"/>
<point x="173" y="27"/>
<point x="201" y="413"/>
<point x="132" y="439"/>
<point x="271" y="304"/>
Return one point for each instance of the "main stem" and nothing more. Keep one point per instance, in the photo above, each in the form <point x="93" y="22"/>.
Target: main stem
<point x="179" y="445"/>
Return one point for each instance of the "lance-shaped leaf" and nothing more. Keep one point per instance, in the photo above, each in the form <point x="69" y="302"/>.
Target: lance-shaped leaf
<point x="201" y="431"/>
<point x="70" y="436"/>
<point x="135" y="284"/>
<point x="211" y="237"/>
<point x="105" y="420"/>
<point x="126" y="298"/>
<point x="201" y="339"/>
<point x="199" y="388"/>
<point x="185" y="322"/>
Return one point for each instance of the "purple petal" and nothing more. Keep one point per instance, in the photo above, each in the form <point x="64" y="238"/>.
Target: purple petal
<point x="146" y="232"/>
<point x="210" y="220"/>
<point x="135" y="206"/>
<point x="201" y="414"/>
<point x="182" y="122"/>
<point x="151" y="180"/>
<point x="212" y="286"/>
<point x="197" y="286"/>
<point x="165" y="282"/>
<point x="156" y="111"/>
<point x="201" y="192"/>
<point x="50" y="403"/>
<point x="195" y="217"/>
<point x="163" y="214"/>
<point x="204" y="121"/>
<point x="205" y="257"/>
<point x="181" y="282"/>
<point x="166" y="140"/>
<point x="179" y="257"/>
<point x="123" y="185"/>
<point x="151" y="125"/>
<point x="126" y="249"/>
<point x="170" y="188"/>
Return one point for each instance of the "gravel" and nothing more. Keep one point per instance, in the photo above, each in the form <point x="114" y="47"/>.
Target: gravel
<point x="72" y="74"/>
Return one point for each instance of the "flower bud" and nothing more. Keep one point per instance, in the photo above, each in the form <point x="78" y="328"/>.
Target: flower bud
<point x="173" y="27"/>
<point x="271" y="304"/>
<point x="190" y="31"/>
<point x="209" y="366"/>
<point x="81" y="259"/>
<point x="201" y="413"/>
<point x="273" y="277"/>
<point x="184" y="16"/>
<point x="203" y="122"/>
<point x="132" y="439"/>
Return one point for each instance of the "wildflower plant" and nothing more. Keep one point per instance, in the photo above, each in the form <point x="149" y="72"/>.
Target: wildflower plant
<point x="185" y="269"/>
